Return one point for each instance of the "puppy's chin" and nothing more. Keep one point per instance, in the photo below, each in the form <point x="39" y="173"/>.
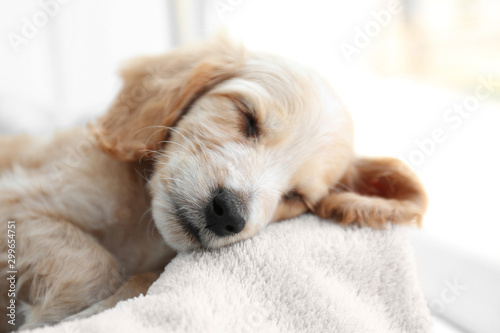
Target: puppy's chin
<point x="215" y="242"/>
<point x="183" y="237"/>
<point x="174" y="235"/>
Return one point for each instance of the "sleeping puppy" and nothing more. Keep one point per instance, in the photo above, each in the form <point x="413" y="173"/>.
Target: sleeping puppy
<point x="212" y="143"/>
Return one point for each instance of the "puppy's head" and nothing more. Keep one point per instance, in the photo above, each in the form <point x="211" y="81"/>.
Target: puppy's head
<point x="242" y="139"/>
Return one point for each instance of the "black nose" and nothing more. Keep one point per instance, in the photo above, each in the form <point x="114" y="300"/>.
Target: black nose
<point x="222" y="214"/>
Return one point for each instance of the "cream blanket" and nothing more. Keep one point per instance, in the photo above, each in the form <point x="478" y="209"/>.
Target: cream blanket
<point x="302" y="275"/>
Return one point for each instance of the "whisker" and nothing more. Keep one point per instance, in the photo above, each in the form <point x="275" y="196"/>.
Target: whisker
<point x="142" y="176"/>
<point x="344" y="186"/>
<point x="144" y="214"/>
<point x="177" y="130"/>
<point x="148" y="127"/>
<point x="174" y="179"/>
<point x="151" y="223"/>
<point x="182" y="146"/>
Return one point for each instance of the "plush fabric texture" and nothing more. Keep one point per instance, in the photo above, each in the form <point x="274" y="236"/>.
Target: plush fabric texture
<point x="302" y="275"/>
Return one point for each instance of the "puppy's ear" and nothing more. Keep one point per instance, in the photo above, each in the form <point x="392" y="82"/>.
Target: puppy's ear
<point x="157" y="90"/>
<point x="375" y="191"/>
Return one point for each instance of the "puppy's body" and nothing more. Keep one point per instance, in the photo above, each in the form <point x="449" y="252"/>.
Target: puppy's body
<point x="65" y="178"/>
<point x="74" y="206"/>
<point x="213" y="143"/>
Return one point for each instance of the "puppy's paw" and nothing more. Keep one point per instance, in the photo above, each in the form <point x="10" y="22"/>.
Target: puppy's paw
<point x="375" y="212"/>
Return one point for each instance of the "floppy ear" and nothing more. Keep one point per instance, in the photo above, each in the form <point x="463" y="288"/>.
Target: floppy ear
<point x="157" y="90"/>
<point x="375" y="191"/>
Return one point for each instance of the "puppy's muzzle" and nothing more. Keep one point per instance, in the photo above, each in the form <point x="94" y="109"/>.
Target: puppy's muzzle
<point x="222" y="215"/>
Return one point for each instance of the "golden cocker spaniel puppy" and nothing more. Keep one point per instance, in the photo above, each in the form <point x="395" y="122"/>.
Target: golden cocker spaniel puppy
<point x="212" y="143"/>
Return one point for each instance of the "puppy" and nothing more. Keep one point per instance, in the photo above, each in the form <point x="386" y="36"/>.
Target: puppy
<point x="211" y="142"/>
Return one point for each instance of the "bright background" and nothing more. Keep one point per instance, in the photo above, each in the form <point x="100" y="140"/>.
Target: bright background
<point x="400" y="66"/>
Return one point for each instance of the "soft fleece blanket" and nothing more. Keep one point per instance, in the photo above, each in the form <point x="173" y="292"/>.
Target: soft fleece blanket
<point x="302" y="275"/>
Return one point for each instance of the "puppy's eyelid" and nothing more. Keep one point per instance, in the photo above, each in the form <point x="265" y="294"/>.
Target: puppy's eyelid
<point x="251" y="128"/>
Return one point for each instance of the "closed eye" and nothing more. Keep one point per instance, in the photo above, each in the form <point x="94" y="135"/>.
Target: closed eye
<point x="251" y="129"/>
<point x="250" y="125"/>
<point x="248" y="121"/>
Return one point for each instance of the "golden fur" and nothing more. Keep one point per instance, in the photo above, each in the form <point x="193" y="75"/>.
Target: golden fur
<point x="209" y="115"/>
